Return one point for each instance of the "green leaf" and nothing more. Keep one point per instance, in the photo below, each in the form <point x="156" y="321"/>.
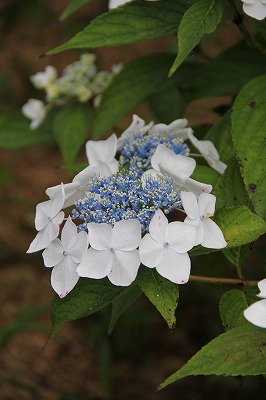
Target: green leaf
<point x="205" y="174"/>
<point x="71" y="126"/>
<point x="230" y="190"/>
<point x="236" y="254"/>
<point x="232" y="305"/>
<point x="240" y="351"/>
<point x="248" y="131"/>
<point x="239" y="225"/>
<point x="139" y="20"/>
<point x="162" y="293"/>
<point x="121" y="302"/>
<point x="136" y="81"/>
<point x="201" y="18"/>
<point x="16" y="134"/>
<point x="228" y="73"/>
<point x="88" y="297"/>
<point x="72" y="6"/>
<point x="221" y="136"/>
<point x="167" y="105"/>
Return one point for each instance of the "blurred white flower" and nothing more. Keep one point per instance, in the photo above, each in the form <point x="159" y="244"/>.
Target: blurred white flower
<point x="198" y="213"/>
<point x="43" y="79"/>
<point x="113" y="252"/>
<point x="165" y="248"/>
<point x="65" y="255"/>
<point x="255" y="8"/>
<point x="256" y="313"/>
<point x="34" y="110"/>
<point x="209" y="152"/>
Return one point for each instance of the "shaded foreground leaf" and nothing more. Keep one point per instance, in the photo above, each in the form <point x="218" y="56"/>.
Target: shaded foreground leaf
<point x="248" y="131"/>
<point x="240" y="351"/>
<point x="139" y="20"/>
<point x="201" y="18"/>
<point x="162" y="293"/>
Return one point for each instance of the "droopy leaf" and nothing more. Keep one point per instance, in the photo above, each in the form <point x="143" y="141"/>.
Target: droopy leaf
<point x="138" y="80"/>
<point x="239" y="351"/>
<point x="71" y="126"/>
<point x="134" y="21"/>
<point x="72" y="6"/>
<point x="88" y="297"/>
<point x="121" y="302"/>
<point x="232" y="305"/>
<point x="161" y="292"/>
<point x="201" y="18"/>
<point x="248" y="131"/>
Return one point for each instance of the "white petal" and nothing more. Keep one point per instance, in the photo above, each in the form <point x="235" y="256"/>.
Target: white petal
<point x="213" y="237"/>
<point x="158" y="227"/>
<point x="85" y="176"/>
<point x="197" y="187"/>
<point x="69" y="234"/>
<point x="78" y="251"/>
<point x="64" y="277"/>
<point x="100" y="236"/>
<point x="136" y="126"/>
<point x="34" y="110"/>
<point x="58" y="201"/>
<point x="150" y="251"/>
<point x="206" y="204"/>
<point x="181" y="237"/>
<point x="256" y="10"/>
<point x="41" y="240"/>
<point x="218" y="166"/>
<point x="101" y="150"/>
<point x="96" y="264"/>
<point x="125" y="267"/>
<point x="72" y="193"/>
<point x="262" y="287"/>
<point x="127" y="234"/>
<point x="198" y="225"/>
<point x="116" y="3"/>
<point x="107" y="169"/>
<point x="53" y="254"/>
<point x="190" y="204"/>
<point x="256" y="313"/>
<point x="42" y="79"/>
<point x="174" y="266"/>
<point x="56" y="223"/>
<point x="206" y="147"/>
<point x="171" y="163"/>
<point x="43" y="212"/>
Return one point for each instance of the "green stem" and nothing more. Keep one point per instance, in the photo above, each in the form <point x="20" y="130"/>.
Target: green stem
<point x="228" y="281"/>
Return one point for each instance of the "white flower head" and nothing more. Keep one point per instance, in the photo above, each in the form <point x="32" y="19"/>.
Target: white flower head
<point x="256" y="313"/>
<point x="113" y="252"/>
<point x="43" y="79"/>
<point x="177" y="127"/>
<point x="36" y="111"/>
<point x="198" y="213"/>
<point x="166" y="163"/>
<point x="101" y="155"/>
<point x="65" y="255"/>
<point x="137" y="126"/>
<point x="209" y="152"/>
<point x="47" y="221"/>
<point x="165" y="248"/>
<point x="255" y="8"/>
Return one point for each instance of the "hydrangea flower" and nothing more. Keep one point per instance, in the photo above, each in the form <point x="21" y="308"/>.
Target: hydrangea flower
<point x="113" y="252"/>
<point x="137" y="127"/>
<point x="177" y="128"/>
<point x="166" y="163"/>
<point x="256" y="313"/>
<point x="165" y="248"/>
<point x="101" y="155"/>
<point x="35" y="110"/>
<point x="65" y="255"/>
<point x="42" y="80"/>
<point x="255" y="8"/>
<point x="198" y="213"/>
<point x="209" y="152"/>
<point x="47" y="221"/>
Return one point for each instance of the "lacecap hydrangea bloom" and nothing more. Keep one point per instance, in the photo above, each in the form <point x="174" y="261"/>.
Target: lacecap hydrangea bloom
<point x="81" y="81"/>
<point x="120" y="203"/>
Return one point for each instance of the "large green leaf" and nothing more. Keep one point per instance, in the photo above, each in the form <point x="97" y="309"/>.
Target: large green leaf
<point x="248" y="131"/>
<point x="220" y="134"/>
<point x="88" y="297"/>
<point x="138" y="80"/>
<point x="134" y="21"/>
<point x="16" y="134"/>
<point x="167" y="105"/>
<point x="161" y="292"/>
<point x="72" y="6"/>
<point x="71" y="126"/>
<point x="121" y="302"/>
<point x="205" y="174"/>
<point x="227" y="73"/>
<point x="239" y="351"/>
<point x="201" y="18"/>
<point x="232" y="305"/>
